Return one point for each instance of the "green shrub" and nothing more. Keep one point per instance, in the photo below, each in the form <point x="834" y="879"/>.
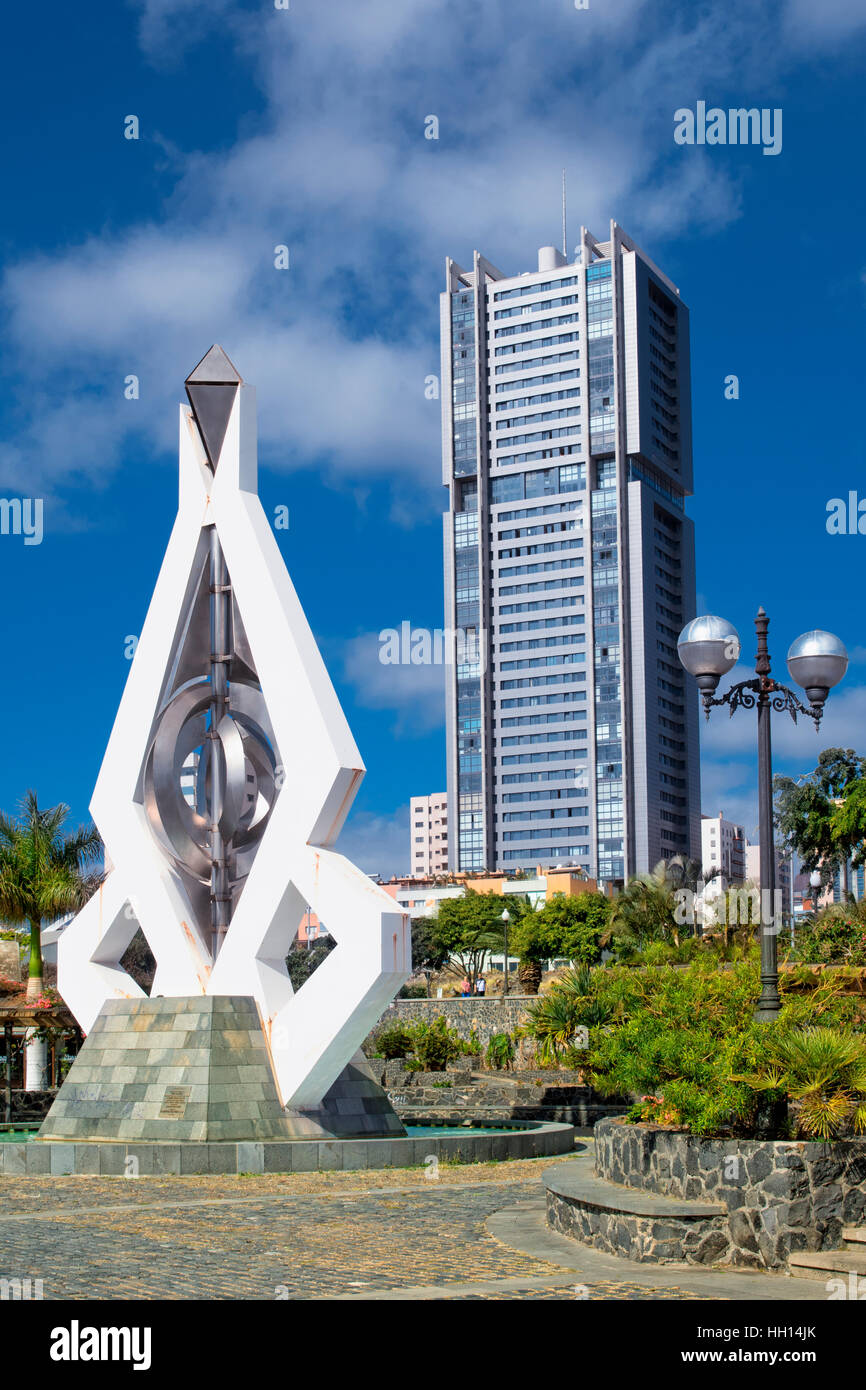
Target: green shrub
<point x="500" y="1051"/>
<point x="561" y="1017"/>
<point x="394" y="1040"/>
<point x="685" y="1040"/>
<point x="693" y="948"/>
<point x="429" y="1046"/>
<point x="435" y="1044"/>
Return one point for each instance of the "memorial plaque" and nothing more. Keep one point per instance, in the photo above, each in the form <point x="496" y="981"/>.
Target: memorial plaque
<point x="174" y="1105"/>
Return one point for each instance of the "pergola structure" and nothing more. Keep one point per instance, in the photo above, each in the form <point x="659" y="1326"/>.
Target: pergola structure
<point x="16" y="1015"/>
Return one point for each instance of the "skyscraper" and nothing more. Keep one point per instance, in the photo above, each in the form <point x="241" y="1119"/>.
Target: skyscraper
<point x="573" y="737"/>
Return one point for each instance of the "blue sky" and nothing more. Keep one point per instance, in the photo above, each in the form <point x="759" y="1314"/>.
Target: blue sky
<point x="305" y="127"/>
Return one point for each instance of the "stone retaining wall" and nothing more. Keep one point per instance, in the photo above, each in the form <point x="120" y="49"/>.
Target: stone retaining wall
<point x="466" y="1070"/>
<point x="464" y="1093"/>
<point x="479" y="1018"/>
<point x="781" y="1196"/>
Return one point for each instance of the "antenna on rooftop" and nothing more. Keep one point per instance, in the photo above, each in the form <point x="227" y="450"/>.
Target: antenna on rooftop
<point x="564" y="224"/>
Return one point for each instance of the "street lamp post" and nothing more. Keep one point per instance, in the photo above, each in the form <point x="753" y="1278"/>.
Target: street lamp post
<point x="506" y="918"/>
<point x="708" y="648"/>
<point x="815" y="884"/>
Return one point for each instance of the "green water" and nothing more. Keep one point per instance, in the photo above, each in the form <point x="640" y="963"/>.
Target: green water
<point x="21" y="1136"/>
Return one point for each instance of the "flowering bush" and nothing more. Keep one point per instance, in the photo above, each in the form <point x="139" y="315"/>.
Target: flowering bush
<point x="47" y="999"/>
<point x="836" y="937"/>
<point x="655" y="1110"/>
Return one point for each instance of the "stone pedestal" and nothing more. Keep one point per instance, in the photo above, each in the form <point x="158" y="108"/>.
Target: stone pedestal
<point x="198" y="1069"/>
<point x="171" y="1069"/>
<point x="356" y="1107"/>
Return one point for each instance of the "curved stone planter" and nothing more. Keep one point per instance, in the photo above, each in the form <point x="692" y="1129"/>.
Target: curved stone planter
<point x="637" y="1225"/>
<point x="44" y="1157"/>
<point x="779" y="1197"/>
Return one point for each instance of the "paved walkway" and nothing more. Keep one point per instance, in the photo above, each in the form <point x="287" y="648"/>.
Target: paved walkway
<point x="477" y="1232"/>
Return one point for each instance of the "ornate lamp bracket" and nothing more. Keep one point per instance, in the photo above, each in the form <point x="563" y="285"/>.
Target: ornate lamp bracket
<point x="764" y="688"/>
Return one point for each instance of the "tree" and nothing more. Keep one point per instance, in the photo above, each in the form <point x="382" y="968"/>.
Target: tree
<point x="529" y="939"/>
<point x="467" y="929"/>
<point x="820" y="816"/>
<point x="570" y="926"/>
<point x="685" y="873"/>
<point x="45" y="872"/>
<point x="645" y="910"/>
<point x="577" y="925"/>
<point x="848" y="821"/>
<point x="302" y="961"/>
<point x="427" y="952"/>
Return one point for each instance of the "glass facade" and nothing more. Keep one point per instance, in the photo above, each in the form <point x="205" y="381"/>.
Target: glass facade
<point x="544" y="410"/>
<point x="463" y="391"/>
<point x="607" y="665"/>
<point x="599" y="313"/>
<point x="470" y="808"/>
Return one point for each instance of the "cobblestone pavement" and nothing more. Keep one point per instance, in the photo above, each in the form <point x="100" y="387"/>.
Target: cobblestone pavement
<point x="304" y="1236"/>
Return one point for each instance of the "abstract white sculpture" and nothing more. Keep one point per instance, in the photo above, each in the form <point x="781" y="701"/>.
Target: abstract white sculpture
<point x="218" y="879"/>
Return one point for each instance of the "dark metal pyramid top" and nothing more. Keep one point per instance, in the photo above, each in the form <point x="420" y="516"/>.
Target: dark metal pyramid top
<point x="214" y="369"/>
<point x="211" y="388"/>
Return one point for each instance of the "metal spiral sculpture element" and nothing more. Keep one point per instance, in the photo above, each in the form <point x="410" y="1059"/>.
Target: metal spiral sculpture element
<point x="213" y="729"/>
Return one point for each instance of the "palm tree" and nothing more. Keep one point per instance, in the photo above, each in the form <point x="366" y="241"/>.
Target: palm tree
<point x="45" y="872"/>
<point x="646" y="908"/>
<point x="554" y="1020"/>
<point x="683" y="872"/>
<point x="644" y="911"/>
<point x="823" y="1071"/>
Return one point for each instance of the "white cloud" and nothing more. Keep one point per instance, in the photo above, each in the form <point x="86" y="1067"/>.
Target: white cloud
<point x="336" y="167"/>
<point x="730" y="789"/>
<point x="166" y="27"/>
<point x="377" y="844"/>
<point x="824" y="20"/>
<point x="416" y="694"/>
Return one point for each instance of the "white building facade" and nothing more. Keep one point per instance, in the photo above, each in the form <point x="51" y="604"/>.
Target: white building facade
<point x="428" y="835"/>
<point x="783" y="872"/>
<point x="723" y="848"/>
